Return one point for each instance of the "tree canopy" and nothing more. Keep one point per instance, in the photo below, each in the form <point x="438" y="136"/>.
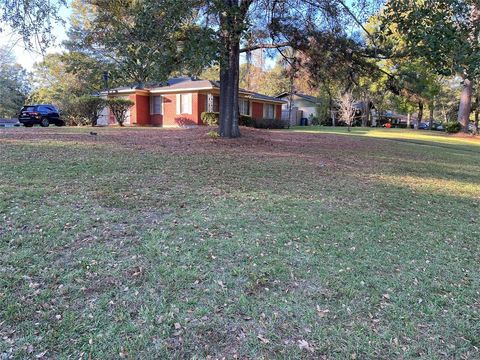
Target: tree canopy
<point x="142" y="41"/>
<point x="14" y="85"/>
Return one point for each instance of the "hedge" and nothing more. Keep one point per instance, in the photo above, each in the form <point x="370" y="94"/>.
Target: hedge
<point x="269" y="124"/>
<point x="212" y="119"/>
<point x="453" y="127"/>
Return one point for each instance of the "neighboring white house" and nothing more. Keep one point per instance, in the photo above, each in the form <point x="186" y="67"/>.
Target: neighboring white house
<point x="106" y="117"/>
<point x="299" y="106"/>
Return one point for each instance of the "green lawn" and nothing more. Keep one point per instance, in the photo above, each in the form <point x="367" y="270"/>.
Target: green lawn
<point x="312" y="243"/>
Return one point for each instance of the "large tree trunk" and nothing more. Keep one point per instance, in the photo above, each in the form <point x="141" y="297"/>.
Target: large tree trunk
<point x="232" y="16"/>
<point x="465" y="104"/>
<point x="229" y="81"/>
<point x="365" y="111"/>
<point x="430" y="120"/>
<point x="477" y="113"/>
<point x="420" y="114"/>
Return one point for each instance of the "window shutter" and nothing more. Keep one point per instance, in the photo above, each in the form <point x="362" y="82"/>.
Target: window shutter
<point x="178" y="103"/>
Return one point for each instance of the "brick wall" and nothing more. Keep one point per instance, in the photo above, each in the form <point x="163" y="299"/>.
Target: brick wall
<point x="141" y="116"/>
<point x="278" y="112"/>
<point x="170" y="116"/>
<point x="257" y="110"/>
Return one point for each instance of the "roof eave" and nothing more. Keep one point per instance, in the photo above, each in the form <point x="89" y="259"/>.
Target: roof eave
<point x="169" y="91"/>
<point x="123" y="91"/>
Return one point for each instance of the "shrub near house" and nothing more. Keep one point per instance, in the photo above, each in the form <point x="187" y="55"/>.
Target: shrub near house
<point x="212" y="119"/>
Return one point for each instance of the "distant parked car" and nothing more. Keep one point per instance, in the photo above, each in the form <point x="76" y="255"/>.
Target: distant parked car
<point x="471" y="127"/>
<point x="42" y="114"/>
<point x="435" y="126"/>
<point x="438" y="126"/>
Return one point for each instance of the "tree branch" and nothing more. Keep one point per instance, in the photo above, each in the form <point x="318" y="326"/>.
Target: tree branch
<point x="264" y="46"/>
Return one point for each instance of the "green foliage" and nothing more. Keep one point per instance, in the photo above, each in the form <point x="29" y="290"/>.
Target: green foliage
<point x="210" y="118"/>
<point x="213" y="134"/>
<point x="90" y="107"/>
<point x="313" y="120"/>
<point x="245" y="120"/>
<point x="269" y="124"/>
<point x="119" y="107"/>
<point x="13" y="85"/>
<point x="149" y="40"/>
<point x="33" y="20"/>
<point x="255" y="77"/>
<point x="60" y="78"/>
<point x="453" y="127"/>
<point x="444" y="32"/>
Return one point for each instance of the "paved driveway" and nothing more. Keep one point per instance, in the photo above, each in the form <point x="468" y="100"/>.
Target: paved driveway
<point x="9" y="122"/>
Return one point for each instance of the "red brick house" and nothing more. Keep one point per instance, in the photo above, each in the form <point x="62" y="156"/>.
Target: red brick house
<point x="182" y="101"/>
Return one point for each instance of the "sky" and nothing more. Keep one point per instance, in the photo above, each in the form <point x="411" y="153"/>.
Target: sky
<point x="27" y="58"/>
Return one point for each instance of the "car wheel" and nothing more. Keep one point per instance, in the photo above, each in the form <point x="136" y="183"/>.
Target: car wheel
<point x="44" y="122"/>
<point x="60" y="123"/>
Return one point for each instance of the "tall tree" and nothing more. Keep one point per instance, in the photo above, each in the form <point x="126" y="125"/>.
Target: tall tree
<point x="144" y="41"/>
<point x="33" y="20"/>
<point x="14" y="85"/>
<point x="246" y="25"/>
<point x="60" y="78"/>
<point x="445" y="33"/>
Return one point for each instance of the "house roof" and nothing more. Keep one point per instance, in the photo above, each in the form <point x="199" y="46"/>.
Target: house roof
<point x="184" y="84"/>
<point x="310" y="98"/>
<point x="123" y="90"/>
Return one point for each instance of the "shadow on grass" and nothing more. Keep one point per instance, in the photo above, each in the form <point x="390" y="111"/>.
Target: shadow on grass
<point x="433" y="139"/>
<point x="236" y="251"/>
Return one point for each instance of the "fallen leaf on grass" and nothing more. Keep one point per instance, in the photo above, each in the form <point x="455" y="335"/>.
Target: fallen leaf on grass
<point x="33" y="285"/>
<point x="137" y="271"/>
<point x="304" y="345"/>
<point x="322" y="312"/>
<point x="263" y="339"/>
<point x="123" y="353"/>
<point x="41" y="355"/>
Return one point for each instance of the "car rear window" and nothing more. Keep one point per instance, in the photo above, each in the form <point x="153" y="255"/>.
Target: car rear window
<point x="28" y="108"/>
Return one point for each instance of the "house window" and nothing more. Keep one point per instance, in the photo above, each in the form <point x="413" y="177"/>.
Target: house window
<point x="215" y="104"/>
<point x="184" y="104"/>
<point x="156" y="105"/>
<point x="269" y="111"/>
<point x="244" y="106"/>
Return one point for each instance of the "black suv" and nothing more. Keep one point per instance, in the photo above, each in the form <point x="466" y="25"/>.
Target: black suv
<point x="42" y="115"/>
